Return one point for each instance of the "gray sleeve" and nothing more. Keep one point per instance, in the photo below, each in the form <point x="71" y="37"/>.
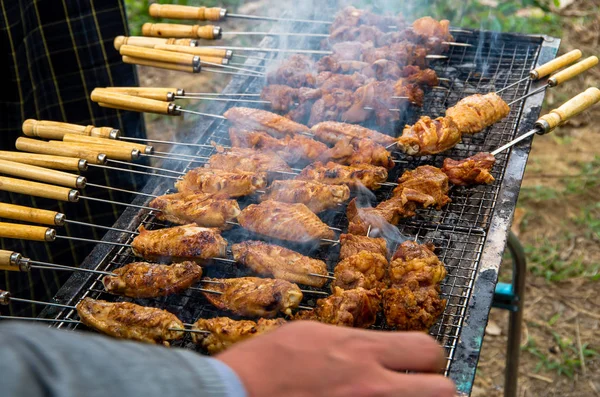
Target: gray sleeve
<point x="38" y="361"/>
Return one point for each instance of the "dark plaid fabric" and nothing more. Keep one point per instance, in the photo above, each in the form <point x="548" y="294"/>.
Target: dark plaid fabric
<point x="55" y="52"/>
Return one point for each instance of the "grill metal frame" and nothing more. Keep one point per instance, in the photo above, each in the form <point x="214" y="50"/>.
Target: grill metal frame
<point x="470" y="233"/>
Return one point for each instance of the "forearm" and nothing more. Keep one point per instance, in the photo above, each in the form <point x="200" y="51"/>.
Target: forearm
<point x="37" y="361"/>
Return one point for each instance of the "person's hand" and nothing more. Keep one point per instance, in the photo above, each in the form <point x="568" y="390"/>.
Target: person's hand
<point x="312" y="359"/>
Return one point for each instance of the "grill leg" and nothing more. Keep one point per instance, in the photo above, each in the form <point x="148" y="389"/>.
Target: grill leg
<point x="516" y="316"/>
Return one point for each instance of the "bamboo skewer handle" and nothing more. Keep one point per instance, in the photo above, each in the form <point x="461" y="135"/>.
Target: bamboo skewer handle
<point x="11" y="261"/>
<point x="572" y="71"/>
<point x="46" y="161"/>
<point x="37" y="189"/>
<point x="557" y="63"/>
<point x="55" y="130"/>
<point x="41" y="174"/>
<point x="73" y="138"/>
<point x="26" y="232"/>
<point x="174" y="11"/>
<point x="200" y="51"/>
<point x="153" y="54"/>
<point x="33" y="215"/>
<point x="60" y="149"/>
<point x="129" y="102"/>
<point x="159" y="94"/>
<point x="150" y="42"/>
<point x="207" y="32"/>
<point x="161" y="65"/>
<point x="569" y="109"/>
<point x="111" y="152"/>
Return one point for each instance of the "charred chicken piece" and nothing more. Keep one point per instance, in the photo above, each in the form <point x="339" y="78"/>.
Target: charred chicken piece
<point x="233" y="184"/>
<point x="331" y="132"/>
<point x="413" y="261"/>
<point x="180" y="243"/>
<point x="247" y="160"/>
<point x="150" y="280"/>
<point x="403" y="53"/>
<point x="225" y="332"/>
<point x="282" y="97"/>
<point x="351" y="308"/>
<point x="355" y="175"/>
<point x="477" y="112"/>
<point x="410" y="307"/>
<point x="332" y="105"/>
<point x="283" y="221"/>
<point x="425" y="185"/>
<point x="352" y="244"/>
<point x="351" y="16"/>
<point x="296" y="71"/>
<point x="258" y="119"/>
<point x="315" y="195"/>
<point x="130" y="321"/>
<point x="365" y="269"/>
<point x="253" y="296"/>
<point x="387" y="213"/>
<point x="474" y="170"/>
<point x="429" y="136"/>
<point x="281" y="263"/>
<point x="359" y="151"/>
<point x="203" y="209"/>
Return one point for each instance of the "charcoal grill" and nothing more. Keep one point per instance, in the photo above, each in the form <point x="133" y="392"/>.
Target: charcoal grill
<point x="470" y="233"/>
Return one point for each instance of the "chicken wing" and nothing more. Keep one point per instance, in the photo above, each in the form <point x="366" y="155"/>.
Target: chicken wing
<point x="425" y="185"/>
<point x="315" y="195"/>
<point x="283" y="221"/>
<point x="359" y="151"/>
<point x="331" y="132"/>
<point x="354" y="176"/>
<point x="365" y="270"/>
<point x="150" y="280"/>
<point x="351" y="308"/>
<point x="130" y="321"/>
<point x="388" y="212"/>
<point x="225" y="332"/>
<point x="429" y="136"/>
<point x="233" y="184"/>
<point x="473" y="170"/>
<point x="180" y="243"/>
<point x="352" y="244"/>
<point x="253" y="296"/>
<point x="278" y="262"/>
<point x="477" y="112"/>
<point x="261" y="120"/>
<point x="203" y="209"/>
<point x="247" y="160"/>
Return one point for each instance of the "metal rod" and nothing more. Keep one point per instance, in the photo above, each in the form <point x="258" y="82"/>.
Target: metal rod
<point x="263" y="18"/>
<point x="224" y="99"/>
<point x="166" y="143"/>
<point x="131" y="171"/>
<point x="260" y="49"/>
<point x="46" y="265"/>
<point x="87" y="240"/>
<point x="305" y="307"/>
<point x="321" y="275"/>
<point x="114" y="229"/>
<point x="246" y="65"/>
<point x="513" y="84"/>
<point x="250" y="57"/>
<point x="53" y="320"/>
<point x="117" y="202"/>
<point x="41" y="303"/>
<point x="121" y="190"/>
<point x="220" y="65"/>
<point x="191" y="156"/>
<point x="145" y="166"/>
<point x="215" y="94"/>
<point x="292" y="34"/>
<point x="171" y="157"/>
<point x="541" y="89"/>
<point x="226" y="72"/>
<point x="193" y="331"/>
<point x="515" y="141"/>
<point x="216" y="116"/>
<point x="206" y="290"/>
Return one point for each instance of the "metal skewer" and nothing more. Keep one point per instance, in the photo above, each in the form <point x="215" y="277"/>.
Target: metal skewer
<point x="13" y="261"/>
<point x="302" y="290"/>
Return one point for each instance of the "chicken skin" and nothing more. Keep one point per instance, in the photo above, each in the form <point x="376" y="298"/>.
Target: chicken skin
<point x="317" y="196"/>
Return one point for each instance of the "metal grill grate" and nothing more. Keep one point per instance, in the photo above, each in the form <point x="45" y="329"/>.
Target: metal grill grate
<point x="459" y="231"/>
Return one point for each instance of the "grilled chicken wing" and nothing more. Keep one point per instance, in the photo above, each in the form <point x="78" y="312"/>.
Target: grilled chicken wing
<point x="351" y="308"/>
<point x="355" y="175"/>
<point x="253" y="296"/>
<point x="388" y="212"/>
<point x="130" y="321"/>
<point x="278" y="262"/>
<point x="413" y="261"/>
<point x="331" y="132"/>
<point x="180" y="243"/>
<point x="225" y="332"/>
<point x="425" y="185"/>
<point x="203" y="209"/>
<point x="149" y="280"/>
<point x="261" y="120"/>
<point x="233" y="184"/>
<point x="291" y="222"/>
<point x="473" y="170"/>
<point x="429" y="136"/>
<point x="295" y="71"/>
<point x="359" y="151"/>
<point x="365" y="270"/>
<point x="352" y="244"/>
<point x="315" y="195"/>
<point x="411" y="307"/>
<point x="477" y="112"/>
<point x="247" y="160"/>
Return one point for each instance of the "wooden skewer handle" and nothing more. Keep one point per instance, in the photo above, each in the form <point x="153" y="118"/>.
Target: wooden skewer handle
<point x="37" y="189"/>
<point x="174" y="11"/>
<point x="45" y="160"/>
<point x="33" y="215"/>
<point x="111" y="152"/>
<point x="156" y="93"/>
<point x="207" y="32"/>
<point x="572" y="71"/>
<point x="557" y="63"/>
<point x="26" y="232"/>
<point x="11" y="261"/>
<point x="161" y="65"/>
<point x="55" y="130"/>
<point x="73" y="138"/>
<point x="150" y="42"/>
<point x="60" y="149"/>
<point x="41" y="174"/>
<point x="569" y="109"/>
<point x="129" y="102"/>
<point x="152" y="54"/>
<point x="202" y="52"/>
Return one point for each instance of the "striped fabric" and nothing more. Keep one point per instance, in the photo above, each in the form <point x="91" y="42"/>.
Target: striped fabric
<point x="55" y="52"/>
